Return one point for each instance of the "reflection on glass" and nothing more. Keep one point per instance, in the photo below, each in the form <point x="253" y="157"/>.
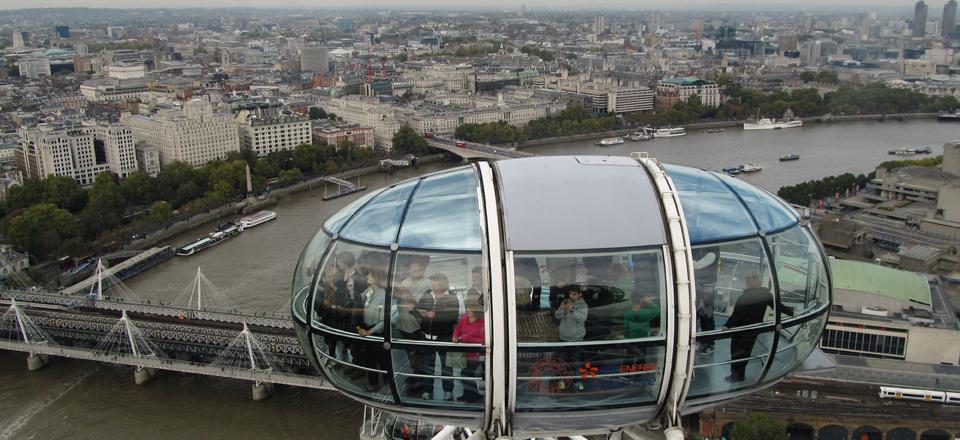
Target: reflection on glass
<point x="571" y="377"/>
<point x="721" y="273"/>
<point x="795" y="345"/>
<point x="800" y="269"/>
<point x="444" y="213"/>
<point x="306" y="266"/>
<point x="369" y="380"/>
<point x="422" y="378"/>
<point x="736" y="362"/>
<point x="712" y="211"/>
<point x="378" y="221"/>
<point x="589" y="296"/>
<point x="770" y="213"/>
<point x="336" y="221"/>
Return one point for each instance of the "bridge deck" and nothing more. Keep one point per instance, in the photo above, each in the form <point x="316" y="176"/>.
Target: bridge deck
<point x="132" y="261"/>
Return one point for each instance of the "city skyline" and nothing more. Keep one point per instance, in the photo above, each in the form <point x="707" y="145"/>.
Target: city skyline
<point x="882" y="5"/>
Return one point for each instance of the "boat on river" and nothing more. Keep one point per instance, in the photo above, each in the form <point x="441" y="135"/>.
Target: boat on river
<point x="606" y="142"/>
<point x="223" y="233"/>
<point x="670" y="132"/>
<point x="789" y="157"/>
<point x="949" y="117"/>
<point x="715" y="130"/>
<point x="750" y="168"/>
<point x="257" y="219"/>
<point x="771" y="124"/>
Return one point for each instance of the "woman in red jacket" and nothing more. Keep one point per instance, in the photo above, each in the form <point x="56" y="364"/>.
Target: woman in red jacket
<point x="470" y="330"/>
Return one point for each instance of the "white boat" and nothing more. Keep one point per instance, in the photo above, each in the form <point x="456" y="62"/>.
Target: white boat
<point x="750" y="168"/>
<point x="669" y="132"/>
<point x="640" y="136"/>
<point x="771" y="124"/>
<point x="610" y="141"/>
<point x="257" y="219"/>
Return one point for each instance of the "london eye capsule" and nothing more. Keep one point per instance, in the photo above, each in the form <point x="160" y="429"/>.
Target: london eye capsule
<point x="559" y="295"/>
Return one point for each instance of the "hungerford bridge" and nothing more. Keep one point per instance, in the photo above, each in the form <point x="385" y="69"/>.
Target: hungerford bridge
<point x="203" y="335"/>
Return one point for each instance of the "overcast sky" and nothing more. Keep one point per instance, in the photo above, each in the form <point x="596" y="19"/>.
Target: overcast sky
<point x="809" y="5"/>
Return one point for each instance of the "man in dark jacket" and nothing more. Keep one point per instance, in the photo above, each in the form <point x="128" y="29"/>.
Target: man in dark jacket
<point x="748" y="310"/>
<point x="437" y="311"/>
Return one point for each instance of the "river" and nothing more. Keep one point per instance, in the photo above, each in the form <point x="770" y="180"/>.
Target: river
<point x="82" y="400"/>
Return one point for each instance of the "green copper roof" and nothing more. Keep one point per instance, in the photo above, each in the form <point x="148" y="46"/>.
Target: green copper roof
<point x="874" y="278"/>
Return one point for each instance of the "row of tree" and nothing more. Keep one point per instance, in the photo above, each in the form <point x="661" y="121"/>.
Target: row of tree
<point x="55" y="215"/>
<point x="742" y="103"/>
<point x="574" y="119"/>
<point x="804" y="193"/>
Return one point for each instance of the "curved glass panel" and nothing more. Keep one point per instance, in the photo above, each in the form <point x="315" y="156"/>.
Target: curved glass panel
<point x="770" y="213"/>
<point x="800" y="270"/>
<point x="795" y="345"/>
<point x="306" y="266"/>
<point x="351" y="294"/>
<point x="565" y="301"/>
<point x="440" y="328"/>
<point x="711" y="210"/>
<point x="734" y="294"/>
<point x="378" y="221"/>
<point x="735" y="362"/>
<point x="364" y="375"/>
<point x="336" y="221"/>
<point x="444" y="213"/>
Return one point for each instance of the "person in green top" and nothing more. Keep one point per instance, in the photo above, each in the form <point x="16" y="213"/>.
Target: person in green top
<point x="637" y="319"/>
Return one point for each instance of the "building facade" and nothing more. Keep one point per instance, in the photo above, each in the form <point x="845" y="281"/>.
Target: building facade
<point x="670" y="91"/>
<point x="266" y="135"/>
<point x="34" y="67"/>
<point x="367" y="112"/>
<point x="197" y="134"/>
<point x="340" y="134"/>
<point x="949" y="18"/>
<point x="920" y="19"/>
<point x="314" y="58"/>
<point x="66" y="152"/>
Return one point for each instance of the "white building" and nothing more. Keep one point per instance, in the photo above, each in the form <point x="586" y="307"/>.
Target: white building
<point x="672" y="90"/>
<point x="62" y="152"/>
<point x="115" y="143"/>
<point x="609" y="98"/>
<point x="19" y="42"/>
<point x="126" y="70"/>
<point x="148" y="159"/>
<point x="197" y="134"/>
<point x="34" y="67"/>
<point x="266" y="135"/>
<point x="367" y="112"/>
<point x="115" y="90"/>
<point x="116" y="32"/>
<point x="314" y="58"/>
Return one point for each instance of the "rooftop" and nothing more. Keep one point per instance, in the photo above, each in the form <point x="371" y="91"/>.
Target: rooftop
<point x="873" y="278"/>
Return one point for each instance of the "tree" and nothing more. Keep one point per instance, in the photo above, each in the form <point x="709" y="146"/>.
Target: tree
<point x="828" y="77"/>
<point x="317" y="113"/>
<point x="807" y="76"/>
<point x="402" y="57"/>
<point x="289" y="177"/>
<point x="408" y="141"/>
<point x="138" y="188"/>
<point x="64" y="192"/>
<point x="105" y="208"/>
<point x="26" y="195"/>
<point x="758" y="426"/>
<point x="42" y="229"/>
<point x="160" y="212"/>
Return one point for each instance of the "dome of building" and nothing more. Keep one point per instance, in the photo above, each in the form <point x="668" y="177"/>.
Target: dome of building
<point x="562" y="294"/>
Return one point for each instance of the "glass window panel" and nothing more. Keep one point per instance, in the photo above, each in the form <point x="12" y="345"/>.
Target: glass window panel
<point x="359" y="367"/>
<point x="444" y="213"/>
<point x="795" y="345"/>
<point x="736" y="362"/>
<point x="770" y="213"/>
<point x="572" y="377"/>
<point x="589" y="296"/>
<point x="378" y="221"/>
<point x="336" y="221"/>
<point x="426" y="375"/>
<point x="306" y="267"/>
<point x="711" y="210"/>
<point x="351" y="294"/>
<point x="433" y="293"/>
<point x="733" y="281"/>
<point x="800" y="270"/>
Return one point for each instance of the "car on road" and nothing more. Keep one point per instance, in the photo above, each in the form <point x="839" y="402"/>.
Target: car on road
<point x="428" y="135"/>
<point x="461" y="144"/>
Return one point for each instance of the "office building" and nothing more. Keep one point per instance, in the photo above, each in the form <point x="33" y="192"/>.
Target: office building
<point x="196" y="134"/>
<point x="920" y="19"/>
<point x="949" y="19"/>
<point x="264" y="135"/>
<point x="672" y="90"/>
<point x="34" y="67"/>
<point x="77" y="152"/>
<point x="314" y="58"/>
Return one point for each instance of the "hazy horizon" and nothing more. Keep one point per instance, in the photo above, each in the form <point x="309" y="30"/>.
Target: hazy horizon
<point x="531" y="5"/>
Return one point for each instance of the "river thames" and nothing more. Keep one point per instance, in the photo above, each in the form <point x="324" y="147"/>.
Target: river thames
<point x="81" y="400"/>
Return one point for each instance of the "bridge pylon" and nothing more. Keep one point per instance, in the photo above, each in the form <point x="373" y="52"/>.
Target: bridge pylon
<point x="15" y="325"/>
<point x="126" y="339"/>
<point x="246" y="352"/>
<point x="202" y="294"/>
